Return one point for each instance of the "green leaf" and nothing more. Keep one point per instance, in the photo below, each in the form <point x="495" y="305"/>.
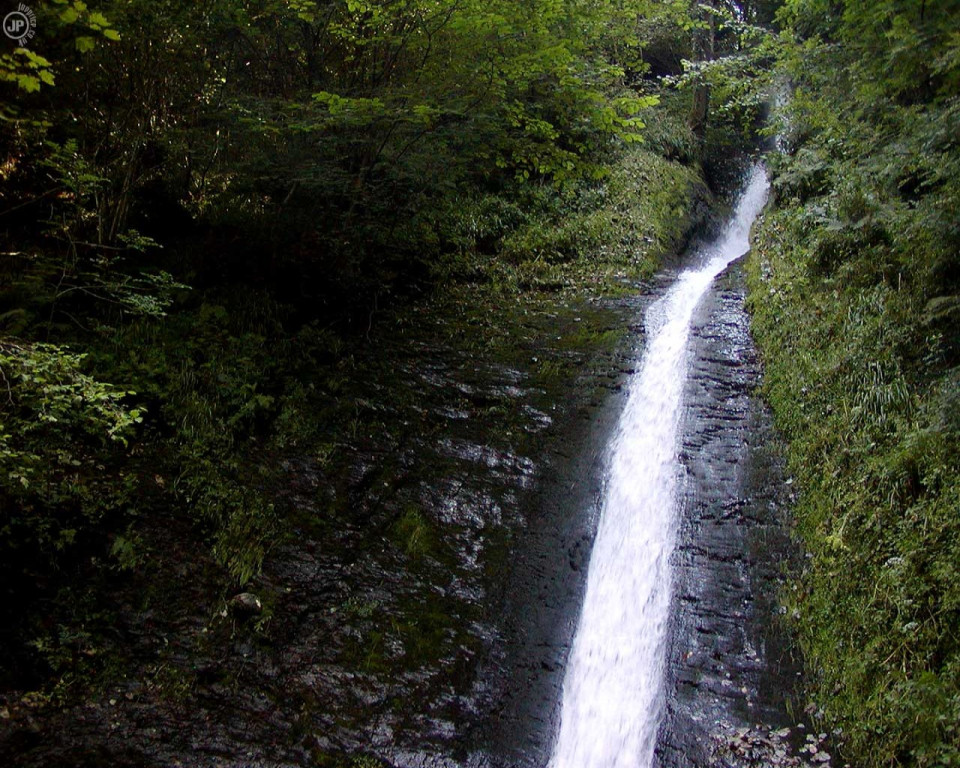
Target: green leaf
<point x="34" y="60"/>
<point x="85" y="44"/>
<point x="29" y="83"/>
<point x="69" y="16"/>
<point x="111" y="34"/>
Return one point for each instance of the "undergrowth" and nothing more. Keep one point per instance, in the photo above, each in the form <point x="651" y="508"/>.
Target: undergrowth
<point x="602" y="236"/>
<point x="855" y="295"/>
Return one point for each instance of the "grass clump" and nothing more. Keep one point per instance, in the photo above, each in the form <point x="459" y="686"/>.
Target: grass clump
<point x="414" y="533"/>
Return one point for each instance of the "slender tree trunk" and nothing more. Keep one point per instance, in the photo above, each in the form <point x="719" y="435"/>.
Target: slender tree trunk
<point x="705" y="43"/>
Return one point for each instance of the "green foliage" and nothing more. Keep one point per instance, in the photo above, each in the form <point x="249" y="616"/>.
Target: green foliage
<point x="603" y="233"/>
<point x="879" y="606"/>
<point x="58" y="424"/>
<point x="853" y="283"/>
<point x="25" y="68"/>
<point x="729" y="69"/>
<point x="605" y="228"/>
<point x="28" y="69"/>
<point x="432" y="92"/>
<point x="219" y="373"/>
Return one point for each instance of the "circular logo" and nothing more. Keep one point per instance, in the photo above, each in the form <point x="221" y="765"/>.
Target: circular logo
<point x="20" y="25"/>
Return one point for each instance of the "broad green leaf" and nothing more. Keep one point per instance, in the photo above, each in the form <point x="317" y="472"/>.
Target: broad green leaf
<point x="29" y="83"/>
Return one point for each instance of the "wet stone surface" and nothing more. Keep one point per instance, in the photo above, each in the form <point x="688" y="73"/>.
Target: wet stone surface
<point x="424" y="541"/>
<point x="731" y="680"/>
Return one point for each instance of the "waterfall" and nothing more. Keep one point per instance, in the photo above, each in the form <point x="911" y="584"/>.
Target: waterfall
<point x="612" y="700"/>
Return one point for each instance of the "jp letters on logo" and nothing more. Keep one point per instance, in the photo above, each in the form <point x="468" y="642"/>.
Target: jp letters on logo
<point x="20" y="25"/>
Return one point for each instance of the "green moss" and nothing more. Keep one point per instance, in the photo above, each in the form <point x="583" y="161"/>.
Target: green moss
<point x="414" y="533"/>
<point x="617" y="230"/>
<point x="587" y="336"/>
<point x="551" y="369"/>
<point x="425" y="635"/>
<point x="324" y="760"/>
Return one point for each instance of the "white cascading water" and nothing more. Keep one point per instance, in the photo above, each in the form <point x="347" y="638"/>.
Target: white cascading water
<point x="613" y="689"/>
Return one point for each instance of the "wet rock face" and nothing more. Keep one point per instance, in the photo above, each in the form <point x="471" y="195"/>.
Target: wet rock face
<point x="421" y="551"/>
<point x="549" y="573"/>
<point x="729" y="663"/>
<point x="401" y="656"/>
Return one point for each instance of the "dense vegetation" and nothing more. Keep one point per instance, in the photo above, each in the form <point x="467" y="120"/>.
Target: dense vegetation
<point x="855" y="293"/>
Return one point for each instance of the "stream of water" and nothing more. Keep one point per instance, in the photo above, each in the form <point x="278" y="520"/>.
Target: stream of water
<point x="612" y="700"/>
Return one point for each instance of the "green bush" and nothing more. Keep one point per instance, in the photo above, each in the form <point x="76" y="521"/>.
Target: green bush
<point x="60" y="429"/>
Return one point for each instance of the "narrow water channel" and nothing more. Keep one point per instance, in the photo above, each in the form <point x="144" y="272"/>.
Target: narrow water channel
<point x="613" y="700"/>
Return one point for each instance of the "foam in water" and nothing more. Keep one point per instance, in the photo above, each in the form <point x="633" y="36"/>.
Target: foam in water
<point x="613" y="689"/>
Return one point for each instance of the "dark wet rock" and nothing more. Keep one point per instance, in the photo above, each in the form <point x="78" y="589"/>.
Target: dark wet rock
<point x="730" y="663"/>
<point x="246" y="604"/>
<point x="426" y="587"/>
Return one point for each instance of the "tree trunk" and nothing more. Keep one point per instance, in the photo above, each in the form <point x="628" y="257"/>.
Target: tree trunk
<point x="705" y="42"/>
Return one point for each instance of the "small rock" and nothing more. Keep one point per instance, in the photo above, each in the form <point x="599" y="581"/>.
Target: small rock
<point x="246" y="602"/>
